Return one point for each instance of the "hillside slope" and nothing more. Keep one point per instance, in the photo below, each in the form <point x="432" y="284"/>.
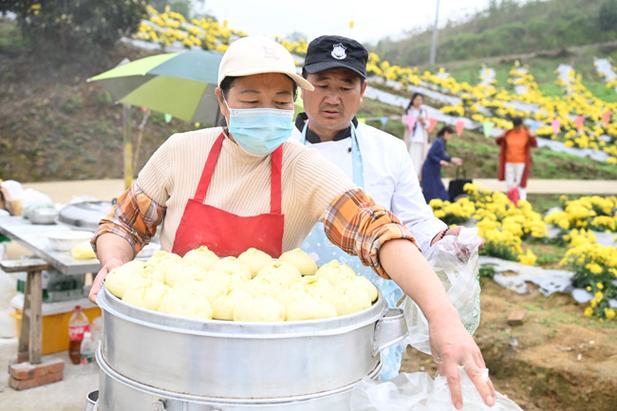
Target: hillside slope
<point x="55" y="126"/>
<point x="509" y="27"/>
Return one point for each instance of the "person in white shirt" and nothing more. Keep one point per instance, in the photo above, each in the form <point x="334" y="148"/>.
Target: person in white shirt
<point x="415" y="120"/>
<point x="377" y="161"/>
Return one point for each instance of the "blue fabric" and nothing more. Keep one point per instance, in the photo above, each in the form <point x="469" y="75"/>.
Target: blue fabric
<point x="322" y="250"/>
<point x="432" y="186"/>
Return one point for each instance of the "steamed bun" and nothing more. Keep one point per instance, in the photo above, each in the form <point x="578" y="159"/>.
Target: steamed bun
<point x="259" y="309"/>
<point x="254" y="260"/>
<point x="182" y="302"/>
<point x="200" y="257"/>
<point x="306" y="307"/>
<point x="301" y="260"/>
<point x="129" y="275"/>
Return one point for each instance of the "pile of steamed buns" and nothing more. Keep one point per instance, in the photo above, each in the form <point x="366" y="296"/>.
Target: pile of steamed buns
<point x="253" y="287"/>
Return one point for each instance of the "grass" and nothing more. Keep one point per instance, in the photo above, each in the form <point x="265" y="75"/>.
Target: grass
<point x="373" y="108"/>
<point x="549" y="253"/>
<point x="544" y="202"/>
<point x="481" y="154"/>
<point x="505" y="27"/>
<point x="10" y="36"/>
<point x="544" y="70"/>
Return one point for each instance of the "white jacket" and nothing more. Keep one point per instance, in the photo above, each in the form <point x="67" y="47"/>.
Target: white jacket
<point x="389" y="178"/>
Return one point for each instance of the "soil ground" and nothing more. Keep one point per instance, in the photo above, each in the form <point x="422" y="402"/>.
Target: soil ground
<point x="556" y="360"/>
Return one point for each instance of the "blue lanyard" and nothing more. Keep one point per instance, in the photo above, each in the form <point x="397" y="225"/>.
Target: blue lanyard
<point x="356" y="156"/>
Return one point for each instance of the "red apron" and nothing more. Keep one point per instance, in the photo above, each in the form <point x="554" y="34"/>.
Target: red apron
<point x="228" y="234"/>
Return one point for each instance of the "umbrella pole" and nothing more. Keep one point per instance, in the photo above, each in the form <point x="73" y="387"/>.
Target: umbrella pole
<point x="128" y="145"/>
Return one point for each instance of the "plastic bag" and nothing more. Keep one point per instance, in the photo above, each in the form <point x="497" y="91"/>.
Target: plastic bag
<point x="455" y="261"/>
<point x="419" y="392"/>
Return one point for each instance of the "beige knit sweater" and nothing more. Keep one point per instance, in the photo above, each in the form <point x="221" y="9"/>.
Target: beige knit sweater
<point x="241" y="182"/>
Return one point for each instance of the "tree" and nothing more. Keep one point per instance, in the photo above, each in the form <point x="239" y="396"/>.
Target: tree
<point x="184" y="7"/>
<point x="607" y="15"/>
<point x="72" y="25"/>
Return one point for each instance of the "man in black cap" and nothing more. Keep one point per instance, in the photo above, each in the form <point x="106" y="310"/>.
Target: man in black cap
<point x="337" y="65"/>
<point x="377" y="161"/>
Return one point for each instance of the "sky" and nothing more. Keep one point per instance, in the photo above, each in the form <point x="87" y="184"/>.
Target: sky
<point x="373" y="19"/>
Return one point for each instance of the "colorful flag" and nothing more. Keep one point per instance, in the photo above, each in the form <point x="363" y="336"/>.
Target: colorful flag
<point x="432" y="123"/>
<point x="487" y="128"/>
<point x="460" y="126"/>
<point x="579" y="121"/>
<point x="606" y="118"/>
<point x="556" y="126"/>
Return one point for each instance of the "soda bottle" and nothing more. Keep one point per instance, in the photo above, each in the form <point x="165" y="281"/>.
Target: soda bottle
<point x="78" y="325"/>
<point x="87" y="349"/>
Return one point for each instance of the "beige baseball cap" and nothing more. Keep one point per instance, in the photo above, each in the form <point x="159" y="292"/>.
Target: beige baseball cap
<point x="257" y="55"/>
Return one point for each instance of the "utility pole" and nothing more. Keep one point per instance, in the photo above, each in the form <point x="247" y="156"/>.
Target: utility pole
<point x="434" y="41"/>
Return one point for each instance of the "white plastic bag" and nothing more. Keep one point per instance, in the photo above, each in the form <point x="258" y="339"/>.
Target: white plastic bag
<point x="419" y="392"/>
<point x="455" y="261"/>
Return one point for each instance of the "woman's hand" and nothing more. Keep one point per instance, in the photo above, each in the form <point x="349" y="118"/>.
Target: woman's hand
<point x="457" y="161"/>
<point x="99" y="280"/>
<point x="112" y="251"/>
<point x="444" y="163"/>
<point x="452" y="346"/>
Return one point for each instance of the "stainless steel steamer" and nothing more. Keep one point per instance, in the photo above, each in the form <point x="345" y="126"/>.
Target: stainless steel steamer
<point x="180" y="360"/>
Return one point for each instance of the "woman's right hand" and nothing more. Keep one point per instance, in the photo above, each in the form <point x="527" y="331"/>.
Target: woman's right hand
<point x="452" y="346"/>
<point x="99" y="280"/>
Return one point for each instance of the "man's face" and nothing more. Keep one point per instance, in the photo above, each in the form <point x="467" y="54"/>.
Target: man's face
<point x="337" y="96"/>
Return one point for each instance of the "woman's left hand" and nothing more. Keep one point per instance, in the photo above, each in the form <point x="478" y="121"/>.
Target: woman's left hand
<point x="453" y="346"/>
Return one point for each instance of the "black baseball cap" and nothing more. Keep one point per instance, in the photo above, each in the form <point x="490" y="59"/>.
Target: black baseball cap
<point x="328" y="52"/>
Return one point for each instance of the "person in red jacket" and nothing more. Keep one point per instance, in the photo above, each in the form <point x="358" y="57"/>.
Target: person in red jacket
<point x="515" y="157"/>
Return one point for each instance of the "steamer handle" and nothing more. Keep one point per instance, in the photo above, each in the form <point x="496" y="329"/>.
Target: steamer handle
<point x="389" y="330"/>
<point x="159" y="405"/>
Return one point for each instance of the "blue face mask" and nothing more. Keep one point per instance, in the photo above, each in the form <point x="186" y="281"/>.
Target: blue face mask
<point x="260" y="131"/>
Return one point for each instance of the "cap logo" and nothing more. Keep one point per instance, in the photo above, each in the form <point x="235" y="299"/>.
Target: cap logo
<point x="338" y="52"/>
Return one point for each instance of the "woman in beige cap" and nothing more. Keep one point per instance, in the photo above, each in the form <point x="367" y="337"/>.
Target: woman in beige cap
<point x="247" y="186"/>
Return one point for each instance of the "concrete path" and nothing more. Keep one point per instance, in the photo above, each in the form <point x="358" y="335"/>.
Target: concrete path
<point x="64" y="191"/>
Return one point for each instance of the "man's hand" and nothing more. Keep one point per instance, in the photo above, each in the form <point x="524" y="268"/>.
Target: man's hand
<point x="100" y="277"/>
<point x="464" y="250"/>
<point x="455" y="230"/>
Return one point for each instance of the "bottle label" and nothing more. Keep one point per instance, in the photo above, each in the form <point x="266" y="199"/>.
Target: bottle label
<point x="76" y="333"/>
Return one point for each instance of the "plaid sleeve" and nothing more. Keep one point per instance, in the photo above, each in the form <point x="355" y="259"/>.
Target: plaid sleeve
<point x="360" y="227"/>
<point x="134" y="217"/>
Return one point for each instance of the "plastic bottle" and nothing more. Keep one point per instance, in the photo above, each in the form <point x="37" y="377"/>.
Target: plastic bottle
<point x="78" y="325"/>
<point x="87" y="349"/>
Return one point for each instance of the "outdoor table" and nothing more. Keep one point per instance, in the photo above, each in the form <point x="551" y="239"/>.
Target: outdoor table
<point x="30" y="370"/>
<point x="34" y="237"/>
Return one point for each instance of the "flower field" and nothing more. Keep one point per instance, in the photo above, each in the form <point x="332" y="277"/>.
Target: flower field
<point x="578" y="118"/>
<point x="508" y="230"/>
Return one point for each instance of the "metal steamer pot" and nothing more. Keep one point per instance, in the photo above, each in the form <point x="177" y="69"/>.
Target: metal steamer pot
<point x="239" y="362"/>
<point x="118" y="393"/>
